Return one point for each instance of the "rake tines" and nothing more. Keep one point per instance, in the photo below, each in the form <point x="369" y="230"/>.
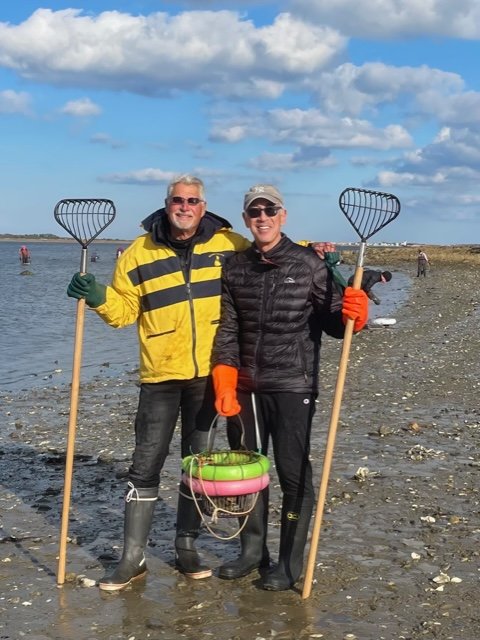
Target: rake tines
<point x="84" y="219"/>
<point x="368" y="211"/>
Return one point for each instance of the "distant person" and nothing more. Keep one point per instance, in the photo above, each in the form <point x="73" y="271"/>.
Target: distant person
<point x="371" y="277"/>
<point x="120" y="250"/>
<point x="24" y="255"/>
<point x="422" y="263"/>
<point x="94" y="257"/>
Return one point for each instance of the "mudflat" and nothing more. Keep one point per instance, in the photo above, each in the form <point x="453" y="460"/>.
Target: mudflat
<point x="399" y="548"/>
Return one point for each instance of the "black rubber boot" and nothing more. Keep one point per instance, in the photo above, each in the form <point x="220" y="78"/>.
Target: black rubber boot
<point x="139" y="507"/>
<point x="253" y="540"/>
<point x="295" y="523"/>
<point x="187" y="559"/>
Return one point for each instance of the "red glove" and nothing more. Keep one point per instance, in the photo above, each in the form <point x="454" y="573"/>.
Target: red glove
<point x="355" y="306"/>
<point x="225" y="386"/>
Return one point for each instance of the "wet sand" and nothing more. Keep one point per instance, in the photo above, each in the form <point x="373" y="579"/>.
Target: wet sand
<point x="399" y="548"/>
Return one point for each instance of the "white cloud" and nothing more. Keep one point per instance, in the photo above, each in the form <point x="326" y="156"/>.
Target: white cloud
<point x="393" y="18"/>
<point x="311" y="128"/>
<point x="15" y="102"/>
<point x="149" y="176"/>
<point x="104" y="138"/>
<point x="219" y="52"/>
<point x="351" y="89"/>
<point x="82" y="108"/>
<point x="302" y="158"/>
<point x="154" y="176"/>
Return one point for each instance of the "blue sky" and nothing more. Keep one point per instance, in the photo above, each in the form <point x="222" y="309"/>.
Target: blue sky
<point x="113" y="99"/>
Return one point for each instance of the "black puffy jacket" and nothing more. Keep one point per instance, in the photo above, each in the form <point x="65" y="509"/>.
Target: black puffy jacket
<point x="274" y="308"/>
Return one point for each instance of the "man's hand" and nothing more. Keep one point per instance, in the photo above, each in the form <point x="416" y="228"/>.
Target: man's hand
<point x="321" y="248"/>
<point x="85" y="286"/>
<point x="225" y="386"/>
<point x="355" y="307"/>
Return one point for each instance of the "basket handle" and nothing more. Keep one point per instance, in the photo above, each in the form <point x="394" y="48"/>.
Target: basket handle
<point x="212" y="430"/>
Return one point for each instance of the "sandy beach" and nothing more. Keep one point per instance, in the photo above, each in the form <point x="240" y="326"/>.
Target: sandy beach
<point x="399" y="549"/>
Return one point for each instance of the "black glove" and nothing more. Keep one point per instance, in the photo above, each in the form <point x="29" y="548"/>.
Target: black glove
<point x="84" y="286"/>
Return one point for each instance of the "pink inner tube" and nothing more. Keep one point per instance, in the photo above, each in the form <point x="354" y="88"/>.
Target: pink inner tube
<point x="226" y="487"/>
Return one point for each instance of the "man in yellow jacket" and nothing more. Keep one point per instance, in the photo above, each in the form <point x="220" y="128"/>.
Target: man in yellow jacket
<point x="168" y="281"/>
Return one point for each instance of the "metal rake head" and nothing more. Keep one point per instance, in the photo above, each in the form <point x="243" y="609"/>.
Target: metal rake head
<point x="84" y="218"/>
<point x="368" y="211"/>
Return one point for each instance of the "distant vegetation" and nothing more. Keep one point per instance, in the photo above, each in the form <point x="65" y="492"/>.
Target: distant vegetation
<point x="29" y="236"/>
<point x="38" y="237"/>
<point x="437" y="254"/>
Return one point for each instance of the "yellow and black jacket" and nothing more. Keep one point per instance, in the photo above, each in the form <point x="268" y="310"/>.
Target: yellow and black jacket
<point x="175" y="302"/>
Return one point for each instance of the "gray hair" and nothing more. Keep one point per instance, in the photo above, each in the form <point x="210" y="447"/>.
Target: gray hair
<point x="186" y="178"/>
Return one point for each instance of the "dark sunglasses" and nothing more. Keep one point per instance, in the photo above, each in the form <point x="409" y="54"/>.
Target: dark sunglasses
<point x="256" y="212"/>
<point x="190" y="201"/>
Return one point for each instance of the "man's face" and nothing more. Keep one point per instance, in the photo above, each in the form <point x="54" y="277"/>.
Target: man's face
<point x="265" y="229"/>
<point x="184" y="218"/>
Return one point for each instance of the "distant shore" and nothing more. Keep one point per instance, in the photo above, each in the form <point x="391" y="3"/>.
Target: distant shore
<point x="437" y="254"/>
<point x="468" y="254"/>
<point x="27" y="240"/>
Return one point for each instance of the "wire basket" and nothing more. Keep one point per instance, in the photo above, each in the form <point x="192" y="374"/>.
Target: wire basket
<point x="228" y="506"/>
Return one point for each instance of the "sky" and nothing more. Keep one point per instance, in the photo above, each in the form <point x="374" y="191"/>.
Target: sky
<point x="104" y="99"/>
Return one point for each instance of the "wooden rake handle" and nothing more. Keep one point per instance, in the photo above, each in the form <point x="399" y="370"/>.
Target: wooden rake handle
<point x="332" y="433"/>
<point x="72" y="426"/>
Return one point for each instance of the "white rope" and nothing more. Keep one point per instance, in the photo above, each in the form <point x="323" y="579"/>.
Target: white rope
<point x="134" y="495"/>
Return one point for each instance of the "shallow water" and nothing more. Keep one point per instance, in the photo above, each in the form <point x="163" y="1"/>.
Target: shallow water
<point x="38" y="319"/>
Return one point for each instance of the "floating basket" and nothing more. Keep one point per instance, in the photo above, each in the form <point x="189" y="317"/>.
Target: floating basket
<point x="225" y="483"/>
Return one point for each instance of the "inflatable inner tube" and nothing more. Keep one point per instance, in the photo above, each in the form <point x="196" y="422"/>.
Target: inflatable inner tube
<point x="226" y="487"/>
<point x="226" y="465"/>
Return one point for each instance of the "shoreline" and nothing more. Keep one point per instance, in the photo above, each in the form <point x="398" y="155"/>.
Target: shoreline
<point x="25" y="240"/>
<point x="398" y="553"/>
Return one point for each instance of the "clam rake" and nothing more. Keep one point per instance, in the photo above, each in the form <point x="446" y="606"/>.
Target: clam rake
<point x="84" y="219"/>
<point x="368" y="212"/>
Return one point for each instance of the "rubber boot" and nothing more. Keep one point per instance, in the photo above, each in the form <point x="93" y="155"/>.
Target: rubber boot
<point x="187" y="560"/>
<point x="295" y="523"/>
<point x="253" y="540"/>
<point x="139" y="507"/>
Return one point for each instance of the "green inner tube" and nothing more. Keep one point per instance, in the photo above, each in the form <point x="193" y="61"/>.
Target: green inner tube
<point x="226" y="465"/>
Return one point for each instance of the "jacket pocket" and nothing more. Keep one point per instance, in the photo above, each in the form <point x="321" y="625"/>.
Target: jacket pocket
<point x="163" y="333"/>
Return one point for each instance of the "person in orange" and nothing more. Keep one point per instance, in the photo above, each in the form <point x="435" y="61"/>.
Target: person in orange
<point x="24" y="254"/>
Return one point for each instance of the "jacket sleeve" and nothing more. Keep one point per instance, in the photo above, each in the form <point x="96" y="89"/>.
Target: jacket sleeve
<point x="122" y="306"/>
<point x="226" y="349"/>
<point x="327" y="297"/>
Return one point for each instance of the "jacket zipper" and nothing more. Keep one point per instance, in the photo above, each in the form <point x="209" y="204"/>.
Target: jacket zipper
<point x="263" y="313"/>
<point x="187" y="274"/>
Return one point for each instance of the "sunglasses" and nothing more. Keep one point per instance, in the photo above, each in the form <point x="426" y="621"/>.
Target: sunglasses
<point x="256" y="212"/>
<point x="192" y="202"/>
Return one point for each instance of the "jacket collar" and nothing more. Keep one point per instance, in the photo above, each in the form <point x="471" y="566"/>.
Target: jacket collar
<point x="269" y="257"/>
<point x="158" y="226"/>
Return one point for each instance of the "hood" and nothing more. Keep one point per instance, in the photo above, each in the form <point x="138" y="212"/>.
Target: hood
<point x="157" y="224"/>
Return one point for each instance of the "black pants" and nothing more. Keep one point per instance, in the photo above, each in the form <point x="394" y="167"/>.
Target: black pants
<point x="286" y="418"/>
<point x="159" y="406"/>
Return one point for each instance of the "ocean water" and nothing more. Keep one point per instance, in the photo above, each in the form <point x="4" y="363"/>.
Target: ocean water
<point x="37" y="318"/>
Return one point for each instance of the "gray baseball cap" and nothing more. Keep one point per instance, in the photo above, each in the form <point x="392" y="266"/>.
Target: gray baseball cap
<point x="267" y="191"/>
